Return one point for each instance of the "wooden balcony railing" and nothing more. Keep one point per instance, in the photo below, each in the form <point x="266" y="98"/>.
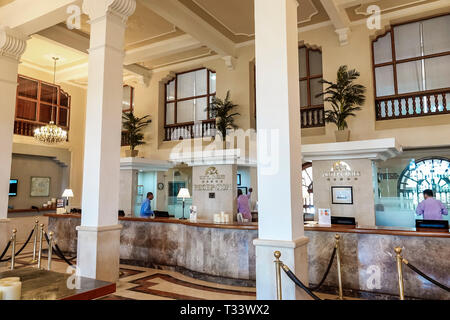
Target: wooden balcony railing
<point x="411" y="105"/>
<point x="312" y="117"/>
<point x="25" y="128"/>
<point x="190" y="130"/>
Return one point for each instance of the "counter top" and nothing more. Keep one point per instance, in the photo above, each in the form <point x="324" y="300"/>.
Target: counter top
<point x="395" y="231"/>
<point x="199" y="223"/>
<point x="31" y="210"/>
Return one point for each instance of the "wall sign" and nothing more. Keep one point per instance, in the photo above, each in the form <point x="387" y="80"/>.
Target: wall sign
<point x="342" y="195"/>
<point x="341" y="169"/>
<point x="212" y="180"/>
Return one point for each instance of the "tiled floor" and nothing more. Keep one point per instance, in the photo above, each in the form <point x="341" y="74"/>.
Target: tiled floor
<point x="137" y="283"/>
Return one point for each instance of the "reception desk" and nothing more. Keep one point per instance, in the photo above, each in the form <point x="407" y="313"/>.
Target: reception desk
<point x="226" y="254"/>
<point x="215" y="252"/>
<point x="368" y="259"/>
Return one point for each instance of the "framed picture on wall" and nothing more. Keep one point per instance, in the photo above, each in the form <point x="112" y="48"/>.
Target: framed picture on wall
<point x="40" y="187"/>
<point x="244" y="190"/>
<point x="342" y="195"/>
<point x="239" y="179"/>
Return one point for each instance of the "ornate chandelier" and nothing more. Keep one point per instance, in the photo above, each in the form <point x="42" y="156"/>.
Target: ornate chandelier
<point x="51" y="133"/>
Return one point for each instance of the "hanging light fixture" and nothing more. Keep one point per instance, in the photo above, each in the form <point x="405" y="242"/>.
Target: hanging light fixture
<point x="51" y="133"/>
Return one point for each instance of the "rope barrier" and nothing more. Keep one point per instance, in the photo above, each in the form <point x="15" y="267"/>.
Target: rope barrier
<point x="315" y="288"/>
<point x="413" y="268"/>
<point x="21" y="249"/>
<point x="5" y="251"/>
<point x="58" y="251"/>
<point x="293" y="277"/>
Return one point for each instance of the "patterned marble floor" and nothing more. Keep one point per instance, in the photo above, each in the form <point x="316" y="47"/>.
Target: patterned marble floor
<point x="138" y="283"/>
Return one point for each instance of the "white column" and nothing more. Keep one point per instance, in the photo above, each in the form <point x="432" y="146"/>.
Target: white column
<point x="279" y="148"/>
<point x="99" y="233"/>
<point x="12" y="47"/>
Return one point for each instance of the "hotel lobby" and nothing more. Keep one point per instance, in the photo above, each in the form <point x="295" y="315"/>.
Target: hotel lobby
<point x="225" y="150"/>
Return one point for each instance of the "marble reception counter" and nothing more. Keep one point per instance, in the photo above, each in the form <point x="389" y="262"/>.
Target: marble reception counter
<point x="225" y="253"/>
<point x="206" y="250"/>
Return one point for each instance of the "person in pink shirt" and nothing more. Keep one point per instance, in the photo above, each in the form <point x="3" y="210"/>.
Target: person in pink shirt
<point x="431" y="208"/>
<point x="243" y="204"/>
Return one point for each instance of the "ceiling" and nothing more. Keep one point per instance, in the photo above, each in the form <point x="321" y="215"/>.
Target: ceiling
<point x="151" y="30"/>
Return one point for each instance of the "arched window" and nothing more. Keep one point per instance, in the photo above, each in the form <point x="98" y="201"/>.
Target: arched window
<point x="411" y="63"/>
<point x="431" y="173"/>
<point x="38" y="103"/>
<point x="312" y="108"/>
<point x="307" y="189"/>
<point x="187" y="100"/>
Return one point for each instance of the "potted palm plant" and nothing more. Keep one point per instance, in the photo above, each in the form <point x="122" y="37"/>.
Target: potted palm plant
<point x="133" y="127"/>
<point x="345" y="98"/>
<point x="222" y="110"/>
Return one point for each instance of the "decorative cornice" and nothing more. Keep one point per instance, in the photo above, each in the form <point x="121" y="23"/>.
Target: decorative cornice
<point x="97" y="9"/>
<point x="12" y="45"/>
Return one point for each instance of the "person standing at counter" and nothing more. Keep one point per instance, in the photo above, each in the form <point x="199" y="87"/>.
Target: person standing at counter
<point x="146" y="208"/>
<point x="243" y="204"/>
<point x="431" y="208"/>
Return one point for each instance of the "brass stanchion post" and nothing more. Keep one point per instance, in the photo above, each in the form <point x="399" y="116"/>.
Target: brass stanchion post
<point x="50" y="250"/>
<point x="41" y="236"/>
<point x="338" y="259"/>
<point x="36" y="230"/>
<point x="278" y="264"/>
<point x="398" y="252"/>
<point x="13" y="248"/>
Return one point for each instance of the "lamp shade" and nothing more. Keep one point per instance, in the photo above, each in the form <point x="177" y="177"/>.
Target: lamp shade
<point x="68" y="193"/>
<point x="184" y="193"/>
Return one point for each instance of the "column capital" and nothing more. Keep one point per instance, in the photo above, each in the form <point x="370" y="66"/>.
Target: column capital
<point x="12" y="44"/>
<point x="96" y="9"/>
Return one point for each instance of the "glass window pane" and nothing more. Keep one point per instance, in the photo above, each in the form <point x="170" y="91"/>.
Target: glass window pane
<point x="201" y="79"/>
<point x="315" y="63"/>
<point x="126" y="100"/>
<point x="170" y="93"/>
<point x="302" y="62"/>
<point x="200" y="109"/>
<point x="437" y="71"/>
<point x="212" y="82"/>
<point x="409" y="77"/>
<point x="186" y="85"/>
<point x="63" y="99"/>
<point x="316" y="88"/>
<point x="47" y="113"/>
<point x="49" y="94"/>
<point x="26" y="109"/>
<point x="436" y="35"/>
<point x="63" y="113"/>
<point x="382" y="49"/>
<point x="28" y="88"/>
<point x="407" y="41"/>
<point x="170" y="113"/>
<point x="384" y="77"/>
<point x="303" y="93"/>
<point x="185" y="111"/>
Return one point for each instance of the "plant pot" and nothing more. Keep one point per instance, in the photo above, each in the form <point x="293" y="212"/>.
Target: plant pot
<point x="131" y="153"/>
<point x="342" y="135"/>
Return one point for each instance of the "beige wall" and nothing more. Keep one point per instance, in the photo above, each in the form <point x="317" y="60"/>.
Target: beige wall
<point x="363" y="198"/>
<point x="76" y="134"/>
<point x="24" y="167"/>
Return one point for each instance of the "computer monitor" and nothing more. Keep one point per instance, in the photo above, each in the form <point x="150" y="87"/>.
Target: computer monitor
<point x="437" y="224"/>
<point x="343" y="220"/>
<point x="13" y="183"/>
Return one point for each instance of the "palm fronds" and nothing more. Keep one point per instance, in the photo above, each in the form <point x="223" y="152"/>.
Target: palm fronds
<point x="220" y="109"/>
<point x="345" y="97"/>
<point x="133" y="126"/>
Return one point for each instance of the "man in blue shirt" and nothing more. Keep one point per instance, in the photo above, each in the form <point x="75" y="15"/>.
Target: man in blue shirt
<point x="146" y="209"/>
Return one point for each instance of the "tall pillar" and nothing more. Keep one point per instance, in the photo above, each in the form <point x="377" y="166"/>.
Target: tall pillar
<point x="99" y="233"/>
<point x="279" y="148"/>
<point x="12" y="46"/>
